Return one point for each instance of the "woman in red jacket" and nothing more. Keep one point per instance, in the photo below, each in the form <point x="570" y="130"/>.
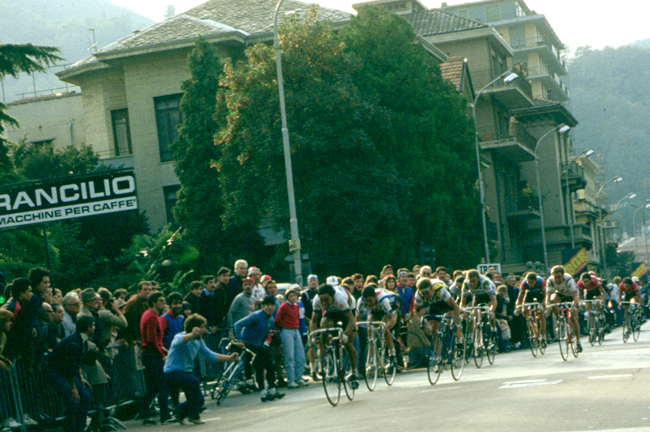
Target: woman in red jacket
<point x="287" y="320"/>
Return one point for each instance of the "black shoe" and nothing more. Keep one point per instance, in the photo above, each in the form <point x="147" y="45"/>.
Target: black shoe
<point x="282" y="384"/>
<point x="277" y="395"/>
<point x="196" y="421"/>
<point x="579" y="347"/>
<point x="148" y="421"/>
<point x="315" y="377"/>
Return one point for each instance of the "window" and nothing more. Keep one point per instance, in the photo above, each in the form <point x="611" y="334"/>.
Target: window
<point x="121" y="132"/>
<point x="170" y="201"/>
<point x="492" y="13"/>
<point x="517" y="37"/>
<point x="463" y="13"/>
<point x="168" y="117"/>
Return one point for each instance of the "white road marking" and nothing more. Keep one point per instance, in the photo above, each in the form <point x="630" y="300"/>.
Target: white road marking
<point x="525" y="382"/>
<point x="531" y="383"/>
<point x="610" y="376"/>
<point x="439" y="389"/>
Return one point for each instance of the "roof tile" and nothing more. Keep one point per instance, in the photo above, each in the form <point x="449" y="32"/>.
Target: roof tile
<point x="452" y="71"/>
<point x="436" y="21"/>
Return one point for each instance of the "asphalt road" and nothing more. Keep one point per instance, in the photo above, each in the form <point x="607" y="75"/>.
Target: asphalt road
<point x="606" y="388"/>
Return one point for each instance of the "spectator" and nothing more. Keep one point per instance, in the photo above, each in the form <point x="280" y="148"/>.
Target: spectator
<point x="40" y="281"/>
<point x="154" y="355"/>
<point x="5" y="326"/>
<point x="155" y="286"/>
<point x="235" y="283"/>
<point x="425" y="272"/>
<point x="357" y="285"/>
<point x="390" y="283"/>
<point x="253" y="331"/>
<point x="55" y="332"/>
<point x="91" y="303"/>
<point x="259" y="292"/>
<point x="194" y="296"/>
<point x="502" y="315"/>
<point x="172" y="320"/>
<point x="58" y="296"/>
<point x="242" y="306"/>
<point x="180" y="364"/>
<point x="187" y="309"/>
<point x="20" y="339"/>
<point x="517" y="323"/>
<point x="71" y="307"/>
<point x="133" y="311"/>
<point x="613" y="301"/>
<point x="64" y="373"/>
<point x="111" y="317"/>
<point x="307" y="298"/>
<point x="211" y="303"/>
<point x="42" y="332"/>
<point x="443" y="275"/>
<point x="223" y="275"/>
<point x="287" y="319"/>
<point x="405" y="292"/>
<point x="120" y="294"/>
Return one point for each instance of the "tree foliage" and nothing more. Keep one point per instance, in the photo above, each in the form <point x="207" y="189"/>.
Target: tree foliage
<point x="380" y="146"/>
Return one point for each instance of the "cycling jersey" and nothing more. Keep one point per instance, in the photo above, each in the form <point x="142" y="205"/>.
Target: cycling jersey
<point x="484" y="287"/>
<point x="594" y="285"/>
<point x="567" y="287"/>
<point x="342" y="301"/>
<point x="540" y="286"/>
<point x="634" y="288"/>
<point x="385" y="301"/>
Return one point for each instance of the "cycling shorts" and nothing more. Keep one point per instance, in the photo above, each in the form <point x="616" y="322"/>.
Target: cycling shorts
<point x="337" y="316"/>
<point x="533" y="296"/>
<point x="592" y="294"/>
<point x="439" y="308"/>
<point x="629" y="296"/>
<point x="481" y="299"/>
<point x="564" y="298"/>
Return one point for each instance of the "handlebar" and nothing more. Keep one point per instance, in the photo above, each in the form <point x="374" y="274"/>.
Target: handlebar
<point x="379" y="324"/>
<point x="633" y="304"/>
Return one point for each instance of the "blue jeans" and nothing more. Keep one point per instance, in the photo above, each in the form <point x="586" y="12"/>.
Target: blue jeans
<point x="191" y="386"/>
<point x="294" y="354"/>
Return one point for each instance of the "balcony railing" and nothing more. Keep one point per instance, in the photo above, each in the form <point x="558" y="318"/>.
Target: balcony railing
<point x="524" y="201"/>
<point x="492" y="134"/>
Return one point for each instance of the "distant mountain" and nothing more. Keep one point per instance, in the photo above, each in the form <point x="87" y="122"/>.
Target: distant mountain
<point x="610" y="97"/>
<point x="64" y="24"/>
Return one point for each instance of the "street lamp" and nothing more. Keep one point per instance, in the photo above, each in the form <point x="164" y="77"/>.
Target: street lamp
<point x="562" y="128"/>
<point x="645" y="237"/>
<point x="507" y="77"/>
<point x="603" y="245"/>
<point x="631" y="195"/>
<point x="294" y="243"/>
<point x="586" y="154"/>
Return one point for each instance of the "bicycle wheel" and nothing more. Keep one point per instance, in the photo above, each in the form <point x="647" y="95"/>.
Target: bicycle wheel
<point x="220" y="391"/>
<point x="469" y="347"/>
<point x="591" y="324"/>
<point x="600" y="325"/>
<point x="416" y="350"/>
<point x="562" y="338"/>
<point x="490" y="342"/>
<point x="626" y="326"/>
<point x="346" y="370"/>
<point x="636" y="329"/>
<point x="331" y="380"/>
<point x="532" y="337"/>
<point x="371" y="365"/>
<point x="388" y="369"/>
<point x="434" y="366"/>
<point x="541" y="341"/>
<point x="478" y="346"/>
<point x="573" y="339"/>
<point x="458" y="359"/>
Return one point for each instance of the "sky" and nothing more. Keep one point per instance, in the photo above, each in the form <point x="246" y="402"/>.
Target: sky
<point x="576" y="22"/>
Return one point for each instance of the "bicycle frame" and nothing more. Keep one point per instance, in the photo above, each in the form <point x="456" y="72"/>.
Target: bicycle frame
<point x="334" y="373"/>
<point x="535" y="315"/>
<point x="230" y="376"/>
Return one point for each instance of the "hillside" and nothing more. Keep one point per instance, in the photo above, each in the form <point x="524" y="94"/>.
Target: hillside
<point x="611" y="100"/>
<point x="65" y="24"/>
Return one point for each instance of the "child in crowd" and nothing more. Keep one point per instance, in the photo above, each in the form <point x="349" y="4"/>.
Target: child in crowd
<point x="502" y="318"/>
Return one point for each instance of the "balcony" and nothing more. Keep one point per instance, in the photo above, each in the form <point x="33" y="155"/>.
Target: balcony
<point x="557" y="90"/>
<point x="516" y="94"/>
<point x="610" y="224"/>
<point x="517" y="145"/>
<point x="546" y="50"/>
<point x="525" y="206"/>
<point x="574" y="175"/>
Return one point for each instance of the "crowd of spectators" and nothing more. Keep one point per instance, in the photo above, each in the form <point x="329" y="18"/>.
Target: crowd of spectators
<point x="64" y="335"/>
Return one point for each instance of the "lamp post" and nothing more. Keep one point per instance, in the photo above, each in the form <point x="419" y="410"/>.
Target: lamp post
<point x="603" y="245"/>
<point x="562" y="128"/>
<point x="586" y="154"/>
<point x="507" y="76"/>
<point x="645" y="237"/>
<point x="294" y="243"/>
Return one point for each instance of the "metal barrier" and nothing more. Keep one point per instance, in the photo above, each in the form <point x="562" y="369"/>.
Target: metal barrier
<point x="207" y="371"/>
<point x="27" y="398"/>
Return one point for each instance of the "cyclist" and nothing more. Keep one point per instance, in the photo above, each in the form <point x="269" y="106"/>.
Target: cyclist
<point x="434" y="295"/>
<point x="379" y="304"/>
<point x="629" y="291"/>
<point x="560" y="287"/>
<point x="482" y="291"/>
<point x="335" y="304"/>
<point x="533" y="290"/>
<point x="592" y="288"/>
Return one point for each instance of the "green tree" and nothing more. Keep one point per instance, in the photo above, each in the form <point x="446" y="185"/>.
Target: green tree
<point x="15" y="59"/>
<point x="430" y="140"/>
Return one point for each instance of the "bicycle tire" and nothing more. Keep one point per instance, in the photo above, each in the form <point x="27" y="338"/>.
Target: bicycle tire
<point x="346" y="369"/>
<point x="434" y="365"/>
<point x="626" y="326"/>
<point x="489" y="342"/>
<point x="372" y="369"/>
<point x="562" y="338"/>
<point x="458" y="359"/>
<point x="478" y="346"/>
<point x="388" y="370"/>
<point x="532" y="337"/>
<point x="331" y="380"/>
<point x="636" y="329"/>
<point x="591" y="325"/>
<point x="542" y="344"/>
<point x="222" y="391"/>
<point x="416" y="350"/>
<point x="573" y="339"/>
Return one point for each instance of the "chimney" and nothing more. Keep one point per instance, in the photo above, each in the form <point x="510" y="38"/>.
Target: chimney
<point x="444" y="4"/>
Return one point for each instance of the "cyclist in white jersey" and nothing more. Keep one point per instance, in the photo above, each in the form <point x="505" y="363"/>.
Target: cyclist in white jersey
<point x="333" y="305"/>
<point x="561" y="287"/>
<point x="481" y="290"/>
<point x="433" y="295"/>
<point x="379" y="304"/>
